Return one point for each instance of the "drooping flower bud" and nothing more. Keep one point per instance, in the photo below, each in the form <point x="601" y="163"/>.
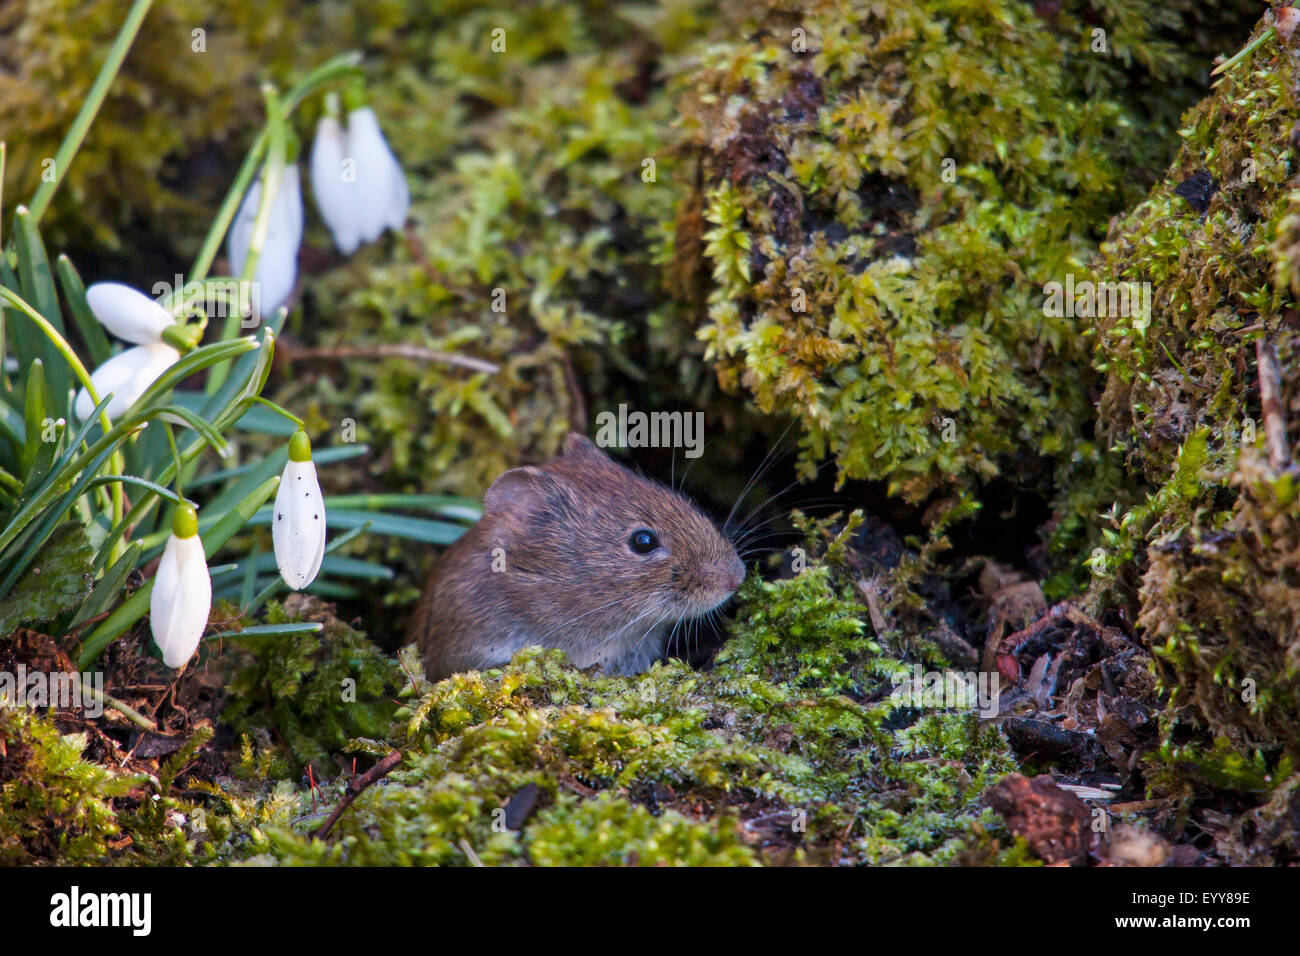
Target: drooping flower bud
<point x="182" y="591"/>
<point x="298" y="521"/>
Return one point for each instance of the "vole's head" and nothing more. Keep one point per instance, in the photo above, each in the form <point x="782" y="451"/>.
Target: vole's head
<point x="589" y="536"/>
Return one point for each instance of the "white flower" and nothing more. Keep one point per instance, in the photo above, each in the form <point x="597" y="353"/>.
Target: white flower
<point x="182" y="592"/>
<point x="130" y="315"/>
<point x="277" y="265"/>
<point x="127" y="375"/>
<point x="298" y="521"/>
<point x="359" y="185"/>
<point x="334" y="188"/>
<point x="133" y="316"/>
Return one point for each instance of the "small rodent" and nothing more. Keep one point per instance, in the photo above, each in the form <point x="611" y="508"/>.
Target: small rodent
<point x="581" y="554"/>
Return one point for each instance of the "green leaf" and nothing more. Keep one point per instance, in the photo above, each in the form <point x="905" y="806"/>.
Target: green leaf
<point x="397" y="526"/>
<point x="109" y="587"/>
<point x="203" y="357"/>
<point x="34" y="411"/>
<point x="37" y="286"/>
<point x="324" y="456"/>
<point x="268" y="630"/>
<point x="74" y="293"/>
<point x="56" y="582"/>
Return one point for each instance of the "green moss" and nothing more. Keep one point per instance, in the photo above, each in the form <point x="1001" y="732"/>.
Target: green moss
<point x="884" y="220"/>
<point x="603" y="832"/>
<point x="1202" y="538"/>
<point x="53" y="803"/>
<point x="318" y="690"/>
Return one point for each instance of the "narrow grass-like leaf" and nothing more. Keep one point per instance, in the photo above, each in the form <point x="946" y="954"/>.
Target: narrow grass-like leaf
<point x="74" y="293"/>
<point x="268" y="630"/>
<point x="397" y="526"/>
<point x="34" y="411"/>
<point x="37" y="286"/>
<point x="323" y="456"/>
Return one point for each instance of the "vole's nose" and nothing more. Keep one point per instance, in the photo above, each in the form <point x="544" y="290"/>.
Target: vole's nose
<point x="735" y="574"/>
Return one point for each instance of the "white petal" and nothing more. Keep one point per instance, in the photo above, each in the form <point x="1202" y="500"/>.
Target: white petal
<point x="241" y="229"/>
<point x="127" y="375"/>
<point x="379" y="198"/>
<point x="277" y="266"/>
<point x="400" y="204"/>
<point x="127" y="313"/>
<point x="181" y="599"/>
<point x="277" y="269"/>
<point x="333" y="185"/>
<point x="298" y="525"/>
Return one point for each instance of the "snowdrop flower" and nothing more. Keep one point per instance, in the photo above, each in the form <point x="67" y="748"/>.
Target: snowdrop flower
<point x="182" y="591"/>
<point x="158" y="341"/>
<point x="359" y="185"/>
<point x="277" y="265"/>
<point x="298" y="528"/>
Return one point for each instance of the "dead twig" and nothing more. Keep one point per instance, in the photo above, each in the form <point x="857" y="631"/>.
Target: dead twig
<point x="356" y="786"/>
<point x="868" y="589"/>
<point x="417" y="353"/>
<point x="1270" y="400"/>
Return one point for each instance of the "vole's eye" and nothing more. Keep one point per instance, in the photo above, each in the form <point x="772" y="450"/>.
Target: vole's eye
<point x="643" y="541"/>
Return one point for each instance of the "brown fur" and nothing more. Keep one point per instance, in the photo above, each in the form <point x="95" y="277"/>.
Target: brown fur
<point x="570" y="579"/>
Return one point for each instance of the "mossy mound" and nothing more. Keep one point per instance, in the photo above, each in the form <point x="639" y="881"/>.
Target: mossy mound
<point x="886" y="190"/>
<point x="789" y="749"/>
<point x="779" y="753"/>
<point x="1205" y="520"/>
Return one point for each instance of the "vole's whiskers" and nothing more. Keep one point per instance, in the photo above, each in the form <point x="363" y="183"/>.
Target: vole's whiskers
<point x="814" y="504"/>
<point x="644" y="614"/>
<point x="754" y="512"/>
<point x="650" y="630"/>
<point x="769" y="460"/>
<point x="579" y="617"/>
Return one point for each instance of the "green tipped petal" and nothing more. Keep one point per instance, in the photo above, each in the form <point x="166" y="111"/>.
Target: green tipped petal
<point x="186" y="522"/>
<point x="300" y="446"/>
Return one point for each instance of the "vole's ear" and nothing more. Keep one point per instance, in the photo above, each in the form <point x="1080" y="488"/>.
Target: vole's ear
<point x="518" y="492"/>
<point x="578" y="444"/>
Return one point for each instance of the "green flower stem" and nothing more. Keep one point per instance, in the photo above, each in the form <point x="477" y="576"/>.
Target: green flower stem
<point x="2" y="205"/>
<point x="226" y="215"/>
<point x="280" y="410"/>
<point x="90" y="106"/>
<point x="117" y="463"/>
<point x="272" y="173"/>
<point x="176" y="458"/>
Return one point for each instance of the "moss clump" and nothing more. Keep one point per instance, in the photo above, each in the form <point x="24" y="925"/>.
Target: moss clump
<point x="1202" y="539"/>
<point x="317" y="690"/>
<point x="1221" y="611"/>
<point x="882" y="219"/>
<point x="53" y="803"/>
<point x="603" y="832"/>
